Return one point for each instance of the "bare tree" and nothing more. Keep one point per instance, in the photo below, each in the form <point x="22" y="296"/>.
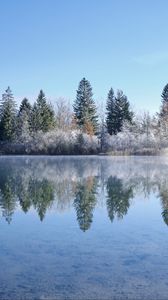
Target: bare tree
<point x="64" y="115"/>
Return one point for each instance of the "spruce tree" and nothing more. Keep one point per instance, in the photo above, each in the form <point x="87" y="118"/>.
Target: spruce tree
<point x="85" y="108"/>
<point x="122" y="110"/>
<point x="165" y="93"/>
<point x="164" y="105"/>
<point x="25" y="106"/>
<point x="7" y="116"/>
<point x="23" y="120"/>
<point x="111" y="115"/>
<point x="118" y="111"/>
<point x="163" y="114"/>
<point x="42" y="116"/>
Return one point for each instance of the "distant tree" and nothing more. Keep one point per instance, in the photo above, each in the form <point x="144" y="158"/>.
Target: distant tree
<point x="118" y="111"/>
<point x="164" y="94"/>
<point x="111" y="116"/>
<point x="25" y="106"/>
<point x="63" y="115"/>
<point x="163" y="114"/>
<point x="42" y="116"/>
<point x="85" y="108"/>
<point x="7" y="116"/>
<point x="122" y="110"/>
<point x="103" y="136"/>
<point x="23" y="120"/>
<point x="164" y="105"/>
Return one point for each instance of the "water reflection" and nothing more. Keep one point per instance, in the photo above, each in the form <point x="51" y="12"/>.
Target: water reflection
<point x="57" y="184"/>
<point x="118" y="197"/>
<point x="85" y="201"/>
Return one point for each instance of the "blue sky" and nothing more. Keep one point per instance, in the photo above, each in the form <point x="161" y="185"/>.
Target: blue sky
<point x="52" y="44"/>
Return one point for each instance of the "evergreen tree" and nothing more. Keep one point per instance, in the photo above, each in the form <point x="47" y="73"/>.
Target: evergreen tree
<point x="163" y="114"/>
<point x="85" y="108"/>
<point x="34" y="119"/>
<point x="164" y="105"/>
<point x="7" y="116"/>
<point x="103" y="136"/>
<point x="118" y="111"/>
<point x="23" y="120"/>
<point x="25" y="106"/>
<point x="42" y="117"/>
<point x="165" y="93"/>
<point x="111" y="113"/>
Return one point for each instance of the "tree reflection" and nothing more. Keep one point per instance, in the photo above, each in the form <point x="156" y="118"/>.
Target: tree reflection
<point x="118" y="198"/>
<point x="26" y="191"/>
<point x="7" y="200"/>
<point x="62" y="182"/>
<point x="85" y="201"/>
<point x="41" y="194"/>
<point x="163" y="194"/>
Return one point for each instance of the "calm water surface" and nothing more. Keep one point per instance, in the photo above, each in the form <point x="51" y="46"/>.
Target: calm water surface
<point x="83" y="228"/>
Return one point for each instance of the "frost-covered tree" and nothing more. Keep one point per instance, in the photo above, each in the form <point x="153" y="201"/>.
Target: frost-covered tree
<point x="63" y="114"/>
<point x="25" y="106"/>
<point x="85" y="109"/>
<point x="42" y="116"/>
<point x="7" y="116"/>
<point x="34" y="119"/>
<point x="23" y="121"/>
<point x="103" y="136"/>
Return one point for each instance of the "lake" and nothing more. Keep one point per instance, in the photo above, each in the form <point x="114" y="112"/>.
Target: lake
<point x="83" y="227"/>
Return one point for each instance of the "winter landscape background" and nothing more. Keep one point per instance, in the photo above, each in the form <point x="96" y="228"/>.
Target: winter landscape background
<point x="81" y="128"/>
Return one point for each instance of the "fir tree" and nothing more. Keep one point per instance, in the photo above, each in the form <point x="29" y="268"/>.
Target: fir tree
<point x="164" y="106"/>
<point x="42" y="117"/>
<point x="23" y="120"/>
<point x="163" y="114"/>
<point x="7" y="116"/>
<point x="34" y="119"/>
<point x="111" y="113"/>
<point x="122" y="109"/>
<point x="85" y="108"/>
<point x="118" y="111"/>
<point x="165" y="93"/>
<point x="25" y="106"/>
<point x="103" y="136"/>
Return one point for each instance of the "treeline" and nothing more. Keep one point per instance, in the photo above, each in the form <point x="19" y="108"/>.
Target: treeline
<point x="58" y="128"/>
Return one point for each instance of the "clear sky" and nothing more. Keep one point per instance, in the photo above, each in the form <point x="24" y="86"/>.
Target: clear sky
<point x="52" y="44"/>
